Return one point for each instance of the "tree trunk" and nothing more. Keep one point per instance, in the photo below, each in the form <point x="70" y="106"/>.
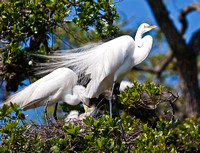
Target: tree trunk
<point x="188" y="83"/>
<point x="186" y="59"/>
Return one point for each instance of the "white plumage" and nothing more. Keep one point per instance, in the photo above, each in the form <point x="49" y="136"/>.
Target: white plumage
<point x="74" y="115"/>
<point x="124" y="84"/>
<point x="108" y="62"/>
<point x="104" y="64"/>
<point x="59" y="85"/>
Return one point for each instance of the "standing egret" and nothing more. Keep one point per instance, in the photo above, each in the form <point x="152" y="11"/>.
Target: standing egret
<point x="107" y="64"/>
<point x="59" y="85"/>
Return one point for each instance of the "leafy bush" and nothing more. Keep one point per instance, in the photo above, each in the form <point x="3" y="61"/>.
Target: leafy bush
<point x="20" y="20"/>
<point x="99" y="134"/>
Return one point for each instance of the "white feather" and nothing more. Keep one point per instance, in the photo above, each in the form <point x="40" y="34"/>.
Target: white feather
<point x="54" y="87"/>
<point x="107" y="62"/>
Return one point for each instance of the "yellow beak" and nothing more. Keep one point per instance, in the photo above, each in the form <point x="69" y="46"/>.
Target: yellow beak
<point x="86" y="107"/>
<point x="152" y="27"/>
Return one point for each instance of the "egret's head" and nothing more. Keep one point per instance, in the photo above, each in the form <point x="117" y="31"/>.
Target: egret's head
<point x="78" y="89"/>
<point x="144" y="27"/>
<point x="80" y="92"/>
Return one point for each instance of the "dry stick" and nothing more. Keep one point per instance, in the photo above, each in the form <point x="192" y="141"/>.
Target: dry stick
<point x="172" y="101"/>
<point x="182" y="17"/>
<point x="158" y="69"/>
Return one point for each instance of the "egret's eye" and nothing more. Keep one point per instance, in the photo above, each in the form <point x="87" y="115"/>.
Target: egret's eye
<point x="146" y="26"/>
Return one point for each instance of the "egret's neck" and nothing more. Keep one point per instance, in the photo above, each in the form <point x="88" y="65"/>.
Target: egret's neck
<point x="138" y="39"/>
<point x="142" y="48"/>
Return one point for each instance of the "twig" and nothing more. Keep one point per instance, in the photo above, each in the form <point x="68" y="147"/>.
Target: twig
<point x="182" y="17"/>
<point x="172" y="99"/>
<point x="159" y="68"/>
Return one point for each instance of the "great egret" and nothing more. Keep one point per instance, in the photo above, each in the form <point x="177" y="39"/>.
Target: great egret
<point x="107" y="64"/>
<point x="59" y="85"/>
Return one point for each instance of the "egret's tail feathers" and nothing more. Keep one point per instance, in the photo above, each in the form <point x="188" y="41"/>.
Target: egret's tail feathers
<point x="5" y="103"/>
<point x="67" y="58"/>
<point x="22" y="96"/>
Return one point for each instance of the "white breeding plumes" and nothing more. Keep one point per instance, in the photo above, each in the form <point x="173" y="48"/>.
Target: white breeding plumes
<point x="108" y="63"/>
<point x="60" y="85"/>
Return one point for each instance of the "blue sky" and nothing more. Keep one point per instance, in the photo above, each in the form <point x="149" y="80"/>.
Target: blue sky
<point x="141" y="12"/>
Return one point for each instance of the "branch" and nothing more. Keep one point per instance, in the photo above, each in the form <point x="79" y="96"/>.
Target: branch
<point x="182" y="18"/>
<point x="172" y="99"/>
<point x="3" y="49"/>
<point x="159" y="68"/>
<point x="173" y="36"/>
<point x="4" y="42"/>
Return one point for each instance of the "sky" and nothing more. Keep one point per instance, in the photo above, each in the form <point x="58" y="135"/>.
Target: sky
<point x="141" y="12"/>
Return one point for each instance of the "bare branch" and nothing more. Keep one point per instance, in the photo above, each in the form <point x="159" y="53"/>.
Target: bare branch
<point x="173" y="36"/>
<point x="4" y="41"/>
<point x="3" y="49"/>
<point x="193" y="6"/>
<point x="159" y="68"/>
<point x="172" y="99"/>
<point x="117" y="1"/>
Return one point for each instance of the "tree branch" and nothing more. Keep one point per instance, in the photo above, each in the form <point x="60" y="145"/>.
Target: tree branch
<point x="159" y="68"/>
<point x="182" y="18"/>
<point x="173" y="36"/>
<point x="3" y="49"/>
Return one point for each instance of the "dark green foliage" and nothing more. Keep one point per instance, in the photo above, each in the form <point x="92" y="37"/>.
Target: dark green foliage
<point x="103" y="135"/>
<point x="140" y="92"/>
<point x="29" y="27"/>
<point x="101" y="13"/>
<point x="21" y="20"/>
<point x="100" y="134"/>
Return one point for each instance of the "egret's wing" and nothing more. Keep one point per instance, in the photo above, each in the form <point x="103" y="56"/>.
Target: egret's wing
<point x="52" y="87"/>
<point x="101" y="61"/>
<point x="97" y="62"/>
<point x="43" y="88"/>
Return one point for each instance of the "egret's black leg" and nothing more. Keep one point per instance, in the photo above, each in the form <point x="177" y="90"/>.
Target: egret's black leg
<point x="116" y="91"/>
<point x="111" y="98"/>
<point x="45" y="111"/>
<point x="55" y="112"/>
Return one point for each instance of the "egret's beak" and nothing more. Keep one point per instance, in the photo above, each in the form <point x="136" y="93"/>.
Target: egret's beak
<point x="152" y="27"/>
<point x="86" y="107"/>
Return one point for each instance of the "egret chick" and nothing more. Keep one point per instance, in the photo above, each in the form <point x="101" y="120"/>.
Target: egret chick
<point x="72" y="117"/>
<point x="90" y="112"/>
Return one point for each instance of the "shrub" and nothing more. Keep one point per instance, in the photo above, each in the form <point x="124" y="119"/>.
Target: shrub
<point x="100" y="134"/>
